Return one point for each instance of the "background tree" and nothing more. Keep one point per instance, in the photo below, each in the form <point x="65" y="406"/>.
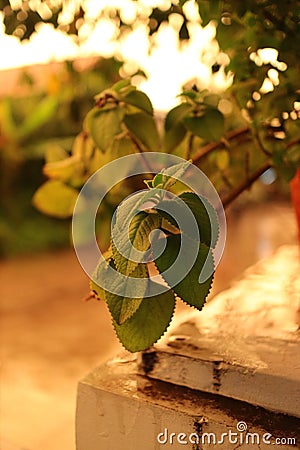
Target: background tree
<point x="253" y="125"/>
<point x="234" y="137"/>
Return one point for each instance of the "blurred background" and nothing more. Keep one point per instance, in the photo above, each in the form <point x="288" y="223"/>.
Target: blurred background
<point x="50" y="337"/>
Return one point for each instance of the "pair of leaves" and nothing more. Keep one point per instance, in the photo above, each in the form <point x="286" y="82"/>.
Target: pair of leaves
<point x="139" y="322"/>
<point x="209" y="125"/>
<point x="73" y="170"/>
<point x="119" y="109"/>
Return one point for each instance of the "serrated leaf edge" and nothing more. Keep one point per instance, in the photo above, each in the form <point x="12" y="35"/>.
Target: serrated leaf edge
<point x="147" y="348"/>
<point x="206" y="199"/>
<point x="177" y="297"/>
<point x="193" y="306"/>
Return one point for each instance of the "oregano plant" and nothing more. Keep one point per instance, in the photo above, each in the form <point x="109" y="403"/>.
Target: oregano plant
<point x="139" y="322"/>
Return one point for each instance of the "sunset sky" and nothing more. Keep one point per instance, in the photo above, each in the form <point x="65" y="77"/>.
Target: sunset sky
<point x="168" y="67"/>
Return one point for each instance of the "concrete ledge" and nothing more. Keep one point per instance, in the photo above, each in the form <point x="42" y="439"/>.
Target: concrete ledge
<point x="245" y="343"/>
<point x="275" y="386"/>
<point x="118" y="409"/>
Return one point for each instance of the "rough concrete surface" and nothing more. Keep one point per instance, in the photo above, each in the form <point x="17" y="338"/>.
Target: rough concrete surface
<point x="118" y="409"/>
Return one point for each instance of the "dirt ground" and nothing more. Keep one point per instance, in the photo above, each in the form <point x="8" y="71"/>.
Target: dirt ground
<point x="50" y="337"/>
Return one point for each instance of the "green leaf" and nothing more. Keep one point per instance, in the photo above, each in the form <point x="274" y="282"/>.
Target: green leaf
<point x="203" y="212"/>
<point x="168" y="177"/>
<point x="204" y="11"/>
<point x="104" y="126"/>
<point x="55" y="199"/>
<point x="283" y="166"/>
<point x="95" y="282"/>
<point x="215" y="7"/>
<point x="138" y="238"/>
<point x="133" y="205"/>
<point x="83" y="147"/>
<point x="205" y="215"/>
<point x="70" y="170"/>
<point x="148" y="324"/>
<point x="176" y="115"/>
<point x="211" y="100"/>
<point x="189" y="289"/>
<point x="161" y="209"/>
<point x="174" y="137"/>
<point x="121" y="85"/>
<point x="117" y="91"/>
<point x="55" y="153"/>
<point x="122" y="146"/>
<point x="174" y="128"/>
<point x="143" y="127"/>
<point x="228" y="36"/>
<point x="140" y="100"/>
<point x="168" y="226"/>
<point x="210" y="126"/>
<point x="190" y="94"/>
<point x="122" y="308"/>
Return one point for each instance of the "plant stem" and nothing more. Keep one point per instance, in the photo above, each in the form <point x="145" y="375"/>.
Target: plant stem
<point x="245" y="185"/>
<point x="214" y="145"/>
<point x="141" y="151"/>
<point x="292" y="143"/>
<point x="189" y="147"/>
<point x="259" y="142"/>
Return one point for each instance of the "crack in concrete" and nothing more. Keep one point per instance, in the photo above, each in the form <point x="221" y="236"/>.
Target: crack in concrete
<point x="148" y="361"/>
<point x="198" y="427"/>
<point x="217" y="367"/>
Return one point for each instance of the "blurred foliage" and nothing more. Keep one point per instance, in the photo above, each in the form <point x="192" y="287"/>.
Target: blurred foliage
<point x="234" y="137"/>
<point x="243" y="30"/>
<point x="31" y="126"/>
<point x="21" y="21"/>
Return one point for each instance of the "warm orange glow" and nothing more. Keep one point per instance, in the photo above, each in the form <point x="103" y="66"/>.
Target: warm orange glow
<point x="169" y="66"/>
